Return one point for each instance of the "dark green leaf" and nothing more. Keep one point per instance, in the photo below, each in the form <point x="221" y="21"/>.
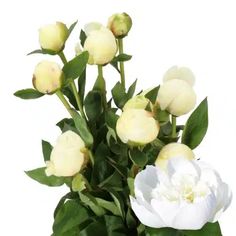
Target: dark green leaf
<point x="161" y="232"/>
<point x="74" y="68"/>
<point x="47" y="149"/>
<point x="196" y="126"/>
<point x="28" y="94"/>
<point x="110" y="206"/>
<point x="209" y="229"/>
<point x="82" y="127"/>
<point x="152" y="95"/>
<point x="111" y="119"/>
<point x="40" y="176"/>
<point x="93" y="105"/>
<point x="115" y="65"/>
<point x="71" y="28"/>
<point x="130" y="219"/>
<point x="119" y="95"/>
<point x="81" y="85"/>
<point x="138" y="158"/>
<point x="61" y="124"/>
<point x="131" y="90"/>
<point x="71" y="214"/>
<point x="82" y="37"/>
<point x="67" y="91"/>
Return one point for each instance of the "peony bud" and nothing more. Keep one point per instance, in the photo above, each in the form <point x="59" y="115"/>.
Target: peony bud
<point x="120" y="24"/>
<point x="182" y="73"/>
<point x="137" y="127"/>
<point x="48" y="77"/>
<point x="53" y="37"/>
<point x="137" y="102"/>
<point x="68" y="155"/>
<point x="100" y="43"/>
<point x="177" y="97"/>
<point x="173" y="150"/>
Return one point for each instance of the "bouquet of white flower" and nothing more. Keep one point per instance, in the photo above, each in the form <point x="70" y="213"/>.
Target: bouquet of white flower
<point x="129" y="167"/>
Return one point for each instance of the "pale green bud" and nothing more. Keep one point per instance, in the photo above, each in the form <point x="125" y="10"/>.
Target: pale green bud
<point x="120" y="24"/>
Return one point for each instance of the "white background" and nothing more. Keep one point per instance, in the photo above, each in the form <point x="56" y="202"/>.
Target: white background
<point x="199" y="34"/>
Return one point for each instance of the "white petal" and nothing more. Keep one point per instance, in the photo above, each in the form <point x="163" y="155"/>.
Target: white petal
<point x="145" y="216"/>
<point x="88" y="28"/>
<point x="193" y="216"/>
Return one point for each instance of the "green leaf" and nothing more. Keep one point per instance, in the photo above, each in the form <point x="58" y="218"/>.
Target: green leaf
<point x="74" y="68"/>
<point x="196" y="126"/>
<point x="209" y="229"/>
<point x="138" y="158"/>
<point x="91" y="202"/>
<point x="82" y="37"/>
<point x="111" y="119"/>
<point x="67" y="91"/>
<point x="110" y="206"/>
<point x="71" y="28"/>
<point x="81" y="85"/>
<point x="47" y="149"/>
<point x="66" y="121"/>
<point x="28" y="94"/>
<point x="82" y="127"/>
<point x="40" y="176"/>
<point x="93" y="105"/>
<point x="130" y="219"/>
<point x="152" y="95"/>
<point x="161" y="232"/>
<point x="131" y="90"/>
<point x="115" y="65"/>
<point x="43" y="51"/>
<point x="122" y="57"/>
<point x="71" y="214"/>
<point x="130" y="182"/>
<point x="119" y="95"/>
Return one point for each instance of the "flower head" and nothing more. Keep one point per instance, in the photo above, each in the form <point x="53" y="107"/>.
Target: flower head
<point x="52" y="37"/>
<point x="48" y="77"/>
<point x="186" y="196"/>
<point x="68" y="155"/>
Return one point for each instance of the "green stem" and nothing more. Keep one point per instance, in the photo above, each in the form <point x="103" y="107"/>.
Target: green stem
<point x="122" y="67"/>
<point x="173" y="120"/>
<point x="73" y="87"/>
<point x="102" y="85"/>
<point x="64" y="101"/>
<point x="91" y="157"/>
<point x="62" y="56"/>
<point x="77" y="98"/>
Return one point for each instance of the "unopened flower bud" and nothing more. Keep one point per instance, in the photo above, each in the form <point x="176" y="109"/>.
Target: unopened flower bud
<point x="48" y="77"/>
<point x="177" y="97"/>
<point x="137" y="127"/>
<point x="173" y="150"/>
<point x="68" y="156"/>
<point x="52" y="37"/>
<point x="100" y="44"/>
<point x="120" y="24"/>
<point x="137" y="102"/>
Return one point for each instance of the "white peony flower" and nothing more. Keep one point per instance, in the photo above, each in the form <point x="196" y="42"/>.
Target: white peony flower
<point x="186" y="196"/>
<point x="100" y="43"/>
<point x="137" y="102"/>
<point x="68" y="155"/>
<point x="181" y="73"/>
<point x="173" y="150"/>
<point x="48" y="77"/>
<point x="53" y="37"/>
<point x="137" y="127"/>
<point x="177" y="97"/>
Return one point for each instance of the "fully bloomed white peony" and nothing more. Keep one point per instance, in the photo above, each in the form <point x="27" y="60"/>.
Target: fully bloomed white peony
<point x="185" y="196"/>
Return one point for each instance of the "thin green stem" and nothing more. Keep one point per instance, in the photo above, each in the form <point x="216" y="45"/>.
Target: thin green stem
<point x="173" y="121"/>
<point x="91" y="157"/>
<point x="77" y="98"/>
<point x="63" y="57"/>
<point x="64" y="101"/>
<point x="73" y="87"/>
<point x="102" y="85"/>
<point x="122" y="67"/>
